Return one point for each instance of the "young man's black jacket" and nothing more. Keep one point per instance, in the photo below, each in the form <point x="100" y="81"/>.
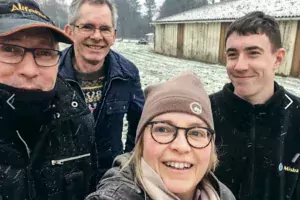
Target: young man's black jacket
<point x="121" y="94"/>
<point x="32" y="165"/>
<point x="259" y="145"/>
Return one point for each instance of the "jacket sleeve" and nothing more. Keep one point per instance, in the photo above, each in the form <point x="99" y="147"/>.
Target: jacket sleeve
<point x="134" y="112"/>
<point x="115" y="190"/>
<point x="296" y="195"/>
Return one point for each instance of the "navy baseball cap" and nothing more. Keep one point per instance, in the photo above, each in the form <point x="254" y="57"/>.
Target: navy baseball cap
<point x="17" y="15"/>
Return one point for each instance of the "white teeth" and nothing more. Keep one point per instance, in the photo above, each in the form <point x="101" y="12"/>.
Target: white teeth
<point x="181" y="165"/>
<point x="95" y="47"/>
<point x="178" y="165"/>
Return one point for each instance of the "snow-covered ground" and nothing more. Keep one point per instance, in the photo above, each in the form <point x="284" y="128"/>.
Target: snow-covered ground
<point x="155" y="68"/>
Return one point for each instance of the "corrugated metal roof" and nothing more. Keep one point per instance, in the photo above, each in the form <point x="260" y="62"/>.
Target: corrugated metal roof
<point x="234" y="9"/>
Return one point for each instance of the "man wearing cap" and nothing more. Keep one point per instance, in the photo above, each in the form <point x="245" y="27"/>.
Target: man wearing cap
<point x="110" y="83"/>
<point x="46" y="130"/>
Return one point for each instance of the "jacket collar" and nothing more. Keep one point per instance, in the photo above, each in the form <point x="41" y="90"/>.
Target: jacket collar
<point x="114" y="68"/>
<point x="233" y="101"/>
<point x="67" y="102"/>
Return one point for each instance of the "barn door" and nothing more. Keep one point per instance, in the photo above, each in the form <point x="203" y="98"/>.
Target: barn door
<point x="224" y="27"/>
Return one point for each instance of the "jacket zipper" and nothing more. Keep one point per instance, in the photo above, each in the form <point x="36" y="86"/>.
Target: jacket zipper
<point x="62" y="161"/>
<point x="106" y="92"/>
<point x="31" y="192"/>
<point x="253" y="155"/>
<point x="26" y="146"/>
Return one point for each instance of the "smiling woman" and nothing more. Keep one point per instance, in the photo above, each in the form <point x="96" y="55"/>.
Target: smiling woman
<point x="175" y="153"/>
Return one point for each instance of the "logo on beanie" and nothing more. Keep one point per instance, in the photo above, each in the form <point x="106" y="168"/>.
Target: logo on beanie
<point x="196" y="108"/>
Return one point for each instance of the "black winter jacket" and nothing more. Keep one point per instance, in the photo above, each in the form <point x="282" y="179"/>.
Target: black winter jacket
<point x="122" y="94"/>
<point x="119" y="184"/>
<point x="41" y="173"/>
<point x="259" y="145"/>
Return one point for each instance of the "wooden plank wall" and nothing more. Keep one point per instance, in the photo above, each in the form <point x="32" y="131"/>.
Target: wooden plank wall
<point x="201" y="41"/>
<point x="159" y="33"/>
<point x="295" y="71"/>
<point x="170" y="40"/>
<point x="224" y="27"/>
<point x="180" y="40"/>
<point x="288" y="31"/>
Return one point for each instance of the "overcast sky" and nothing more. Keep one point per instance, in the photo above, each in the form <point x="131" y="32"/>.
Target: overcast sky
<point x="158" y="2"/>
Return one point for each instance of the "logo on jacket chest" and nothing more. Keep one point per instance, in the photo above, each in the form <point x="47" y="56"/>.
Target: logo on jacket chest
<point x="282" y="167"/>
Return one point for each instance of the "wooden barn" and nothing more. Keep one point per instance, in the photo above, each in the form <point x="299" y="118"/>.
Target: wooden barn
<point x="199" y="34"/>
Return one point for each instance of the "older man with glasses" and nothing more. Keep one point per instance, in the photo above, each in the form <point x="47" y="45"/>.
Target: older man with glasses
<point x="46" y="129"/>
<point x="109" y="82"/>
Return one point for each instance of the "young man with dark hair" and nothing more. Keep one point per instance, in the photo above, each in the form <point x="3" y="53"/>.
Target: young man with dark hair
<point x="256" y="119"/>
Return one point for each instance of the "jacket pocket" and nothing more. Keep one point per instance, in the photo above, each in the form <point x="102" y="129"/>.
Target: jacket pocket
<point x="115" y="107"/>
<point x="71" y="177"/>
<point x="76" y="186"/>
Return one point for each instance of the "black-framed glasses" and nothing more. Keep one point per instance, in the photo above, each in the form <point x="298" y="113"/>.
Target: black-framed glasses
<point x="88" y="29"/>
<point x="14" y="54"/>
<point x="165" y="133"/>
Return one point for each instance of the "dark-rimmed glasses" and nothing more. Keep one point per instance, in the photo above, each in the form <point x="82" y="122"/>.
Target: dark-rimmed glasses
<point x="14" y="54"/>
<point x="165" y="133"/>
<point x="88" y="29"/>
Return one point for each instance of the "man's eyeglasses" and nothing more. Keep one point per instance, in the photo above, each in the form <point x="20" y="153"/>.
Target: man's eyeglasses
<point x="13" y="54"/>
<point x="88" y="29"/>
<point x="165" y="133"/>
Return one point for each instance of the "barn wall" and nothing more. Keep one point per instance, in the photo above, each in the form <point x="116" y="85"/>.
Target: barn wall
<point x="224" y="28"/>
<point x="295" y="71"/>
<point x="204" y="42"/>
<point x="201" y="41"/>
<point x="166" y="39"/>
<point x="180" y="40"/>
<point x="288" y="31"/>
<point x="159" y="32"/>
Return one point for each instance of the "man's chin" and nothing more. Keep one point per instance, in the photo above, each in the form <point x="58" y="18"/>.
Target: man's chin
<point x="94" y="61"/>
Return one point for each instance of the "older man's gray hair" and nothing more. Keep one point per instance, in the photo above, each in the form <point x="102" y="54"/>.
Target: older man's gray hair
<point x="76" y="5"/>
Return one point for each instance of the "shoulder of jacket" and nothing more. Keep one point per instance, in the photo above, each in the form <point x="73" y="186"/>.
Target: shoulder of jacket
<point x="217" y="98"/>
<point x="292" y="97"/>
<point x="125" y="64"/>
<point x="223" y="190"/>
<point x="116" y="189"/>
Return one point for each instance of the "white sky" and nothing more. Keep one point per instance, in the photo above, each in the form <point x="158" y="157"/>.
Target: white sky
<point x="158" y="2"/>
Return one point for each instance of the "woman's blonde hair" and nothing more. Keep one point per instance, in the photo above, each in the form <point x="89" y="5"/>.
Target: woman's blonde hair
<point x="137" y="155"/>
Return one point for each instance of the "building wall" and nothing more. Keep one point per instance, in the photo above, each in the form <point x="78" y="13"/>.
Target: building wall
<point x="288" y="31"/>
<point x="159" y="33"/>
<point x="201" y="41"/>
<point x="295" y="71"/>
<point x="224" y="28"/>
<point x="166" y="39"/>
